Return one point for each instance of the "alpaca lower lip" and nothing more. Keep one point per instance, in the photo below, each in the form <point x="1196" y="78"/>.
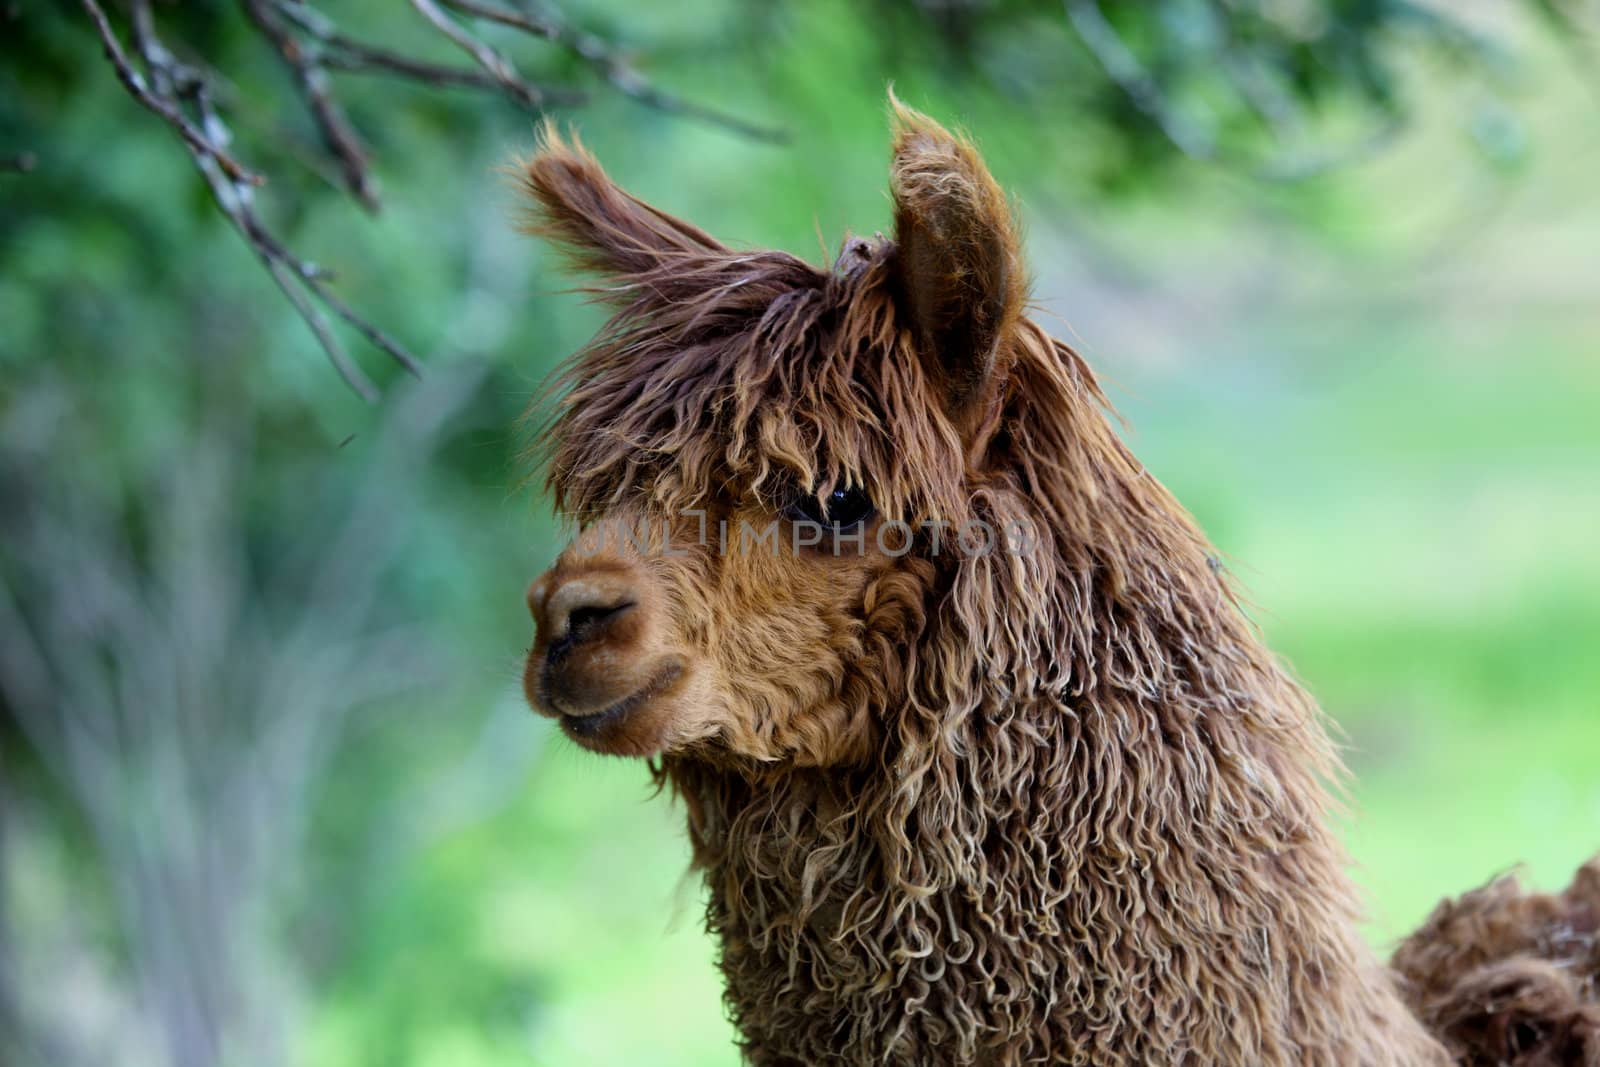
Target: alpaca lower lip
<point x="589" y="726"/>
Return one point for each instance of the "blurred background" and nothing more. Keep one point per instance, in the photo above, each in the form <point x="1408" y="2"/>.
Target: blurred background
<point x="268" y="792"/>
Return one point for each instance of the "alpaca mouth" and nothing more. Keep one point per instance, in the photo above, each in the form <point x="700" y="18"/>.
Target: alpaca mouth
<point x="591" y="727"/>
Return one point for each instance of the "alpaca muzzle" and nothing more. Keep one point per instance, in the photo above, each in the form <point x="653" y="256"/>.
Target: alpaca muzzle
<point x="595" y="661"/>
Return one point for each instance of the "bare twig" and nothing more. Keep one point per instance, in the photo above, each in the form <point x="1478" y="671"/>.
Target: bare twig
<point x="237" y="202"/>
<point x="609" y="63"/>
<point x="498" y="66"/>
<point x="170" y="87"/>
<point x="372" y="333"/>
<point x="348" y="55"/>
<point x="359" y="59"/>
<point x="313" y="47"/>
<point x="338" y="135"/>
<point x="140" y="90"/>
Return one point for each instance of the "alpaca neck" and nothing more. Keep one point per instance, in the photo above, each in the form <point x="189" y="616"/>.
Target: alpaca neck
<point x="1095" y="877"/>
<point x="1114" y="850"/>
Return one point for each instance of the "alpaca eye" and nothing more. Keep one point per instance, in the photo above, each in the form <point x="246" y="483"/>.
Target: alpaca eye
<point x="841" y="509"/>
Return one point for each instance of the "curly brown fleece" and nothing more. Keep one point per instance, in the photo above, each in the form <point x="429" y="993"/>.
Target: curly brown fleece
<point x="1508" y="978"/>
<point x="1053" y="806"/>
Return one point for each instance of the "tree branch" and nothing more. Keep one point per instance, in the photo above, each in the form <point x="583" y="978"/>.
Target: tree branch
<point x="311" y="46"/>
<point x="496" y="65"/>
<point x="338" y="135"/>
<point x="348" y="55"/>
<point x="172" y="86"/>
<point x="137" y="87"/>
<point x="609" y="63"/>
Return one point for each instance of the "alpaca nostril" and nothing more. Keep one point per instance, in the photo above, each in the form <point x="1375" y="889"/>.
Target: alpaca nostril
<point x="583" y="608"/>
<point x="589" y="621"/>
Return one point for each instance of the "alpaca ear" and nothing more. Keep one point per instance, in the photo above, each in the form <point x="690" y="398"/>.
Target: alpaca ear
<point x="604" y="229"/>
<point x="959" y="267"/>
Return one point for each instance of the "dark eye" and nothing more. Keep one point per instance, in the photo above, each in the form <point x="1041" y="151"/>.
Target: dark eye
<point x="841" y="509"/>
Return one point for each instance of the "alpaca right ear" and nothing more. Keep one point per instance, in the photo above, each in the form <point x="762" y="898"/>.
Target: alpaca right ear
<point x="604" y="229"/>
<point x="959" y="264"/>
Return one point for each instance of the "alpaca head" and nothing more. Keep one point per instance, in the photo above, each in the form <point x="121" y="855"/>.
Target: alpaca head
<point x="776" y="471"/>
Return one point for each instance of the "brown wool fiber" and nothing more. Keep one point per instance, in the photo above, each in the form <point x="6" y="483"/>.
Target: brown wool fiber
<point x="1058" y="805"/>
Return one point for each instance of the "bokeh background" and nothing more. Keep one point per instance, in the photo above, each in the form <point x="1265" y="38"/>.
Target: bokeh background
<point x="268" y="793"/>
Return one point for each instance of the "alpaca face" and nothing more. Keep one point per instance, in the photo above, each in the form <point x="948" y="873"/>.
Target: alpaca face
<point x="653" y="637"/>
<point x="771" y="466"/>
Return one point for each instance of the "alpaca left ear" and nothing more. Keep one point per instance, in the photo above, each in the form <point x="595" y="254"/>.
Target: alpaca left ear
<point x="603" y="228"/>
<point x="959" y="266"/>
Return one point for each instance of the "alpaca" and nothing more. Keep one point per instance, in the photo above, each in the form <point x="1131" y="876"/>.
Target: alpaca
<point x="981" y="760"/>
<point x="1508" y="978"/>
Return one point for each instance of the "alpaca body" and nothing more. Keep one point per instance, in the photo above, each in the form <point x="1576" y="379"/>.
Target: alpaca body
<point x="1093" y="963"/>
<point x="1043" y="799"/>
<point x="1135" y="869"/>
